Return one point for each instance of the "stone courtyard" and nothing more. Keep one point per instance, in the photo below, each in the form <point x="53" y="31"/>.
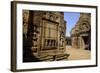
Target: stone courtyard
<point x="78" y="54"/>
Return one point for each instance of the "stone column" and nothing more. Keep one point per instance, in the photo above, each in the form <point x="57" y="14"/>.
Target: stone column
<point x="80" y="42"/>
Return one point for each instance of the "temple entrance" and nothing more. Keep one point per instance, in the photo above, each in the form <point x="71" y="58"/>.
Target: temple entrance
<point x="86" y="42"/>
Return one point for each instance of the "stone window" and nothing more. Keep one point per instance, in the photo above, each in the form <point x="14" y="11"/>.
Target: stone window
<point x="50" y="34"/>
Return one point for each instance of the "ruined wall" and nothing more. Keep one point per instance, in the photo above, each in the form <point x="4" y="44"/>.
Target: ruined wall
<point x="45" y="32"/>
<point x="81" y="33"/>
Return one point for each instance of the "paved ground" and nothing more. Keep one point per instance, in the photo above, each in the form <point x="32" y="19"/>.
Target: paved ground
<point x="77" y="54"/>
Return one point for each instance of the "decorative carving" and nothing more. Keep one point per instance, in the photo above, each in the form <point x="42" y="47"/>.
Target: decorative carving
<point x="43" y="37"/>
<point x="81" y="30"/>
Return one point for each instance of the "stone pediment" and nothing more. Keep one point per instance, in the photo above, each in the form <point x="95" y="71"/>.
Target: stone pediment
<point x="84" y="27"/>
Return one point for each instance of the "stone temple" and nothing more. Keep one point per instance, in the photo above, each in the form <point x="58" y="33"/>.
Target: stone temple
<point x="81" y="33"/>
<point x="44" y="36"/>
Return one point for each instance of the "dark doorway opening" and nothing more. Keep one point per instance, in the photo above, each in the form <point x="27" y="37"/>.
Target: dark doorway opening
<point x="86" y="42"/>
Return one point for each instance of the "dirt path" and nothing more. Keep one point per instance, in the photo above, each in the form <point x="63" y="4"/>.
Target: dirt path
<point x="77" y="54"/>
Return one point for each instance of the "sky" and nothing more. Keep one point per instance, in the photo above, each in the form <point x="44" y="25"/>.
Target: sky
<point x="71" y="18"/>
